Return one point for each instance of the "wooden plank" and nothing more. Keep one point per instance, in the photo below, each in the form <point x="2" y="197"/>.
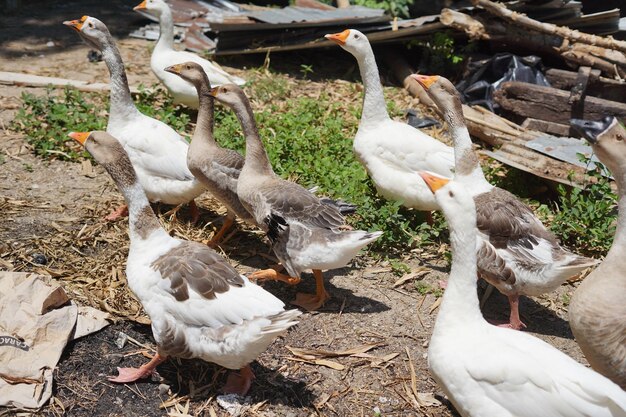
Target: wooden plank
<point x="30" y="80"/>
<point x="546" y="127"/>
<point x="551" y="104"/>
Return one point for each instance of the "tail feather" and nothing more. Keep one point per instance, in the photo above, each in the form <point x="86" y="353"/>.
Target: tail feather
<point x="282" y="321"/>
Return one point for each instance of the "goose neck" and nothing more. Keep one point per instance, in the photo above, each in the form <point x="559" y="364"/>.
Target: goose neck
<point x="141" y="218"/>
<point x="166" y="30"/>
<point x="206" y="113"/>
<point x="121" y="101"/>
<point x="460" y="303"/>
<point x="256" y="155"/>
<point x="374" y="106"/>
<point x="618" y="249"/>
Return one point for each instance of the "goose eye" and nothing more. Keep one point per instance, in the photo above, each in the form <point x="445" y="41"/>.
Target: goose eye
<point x="356" y="36"/>
<point x="90" y="25"/>
<point x="619" y="138"/>
<point x="451" y="194"/>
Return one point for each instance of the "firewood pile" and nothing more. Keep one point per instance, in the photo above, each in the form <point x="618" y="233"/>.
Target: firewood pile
<point x="535" y="135"/>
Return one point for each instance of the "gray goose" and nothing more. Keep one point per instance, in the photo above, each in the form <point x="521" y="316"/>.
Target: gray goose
<point x="516" y="253"/>
<point x="215" y="167"/>
<point x="305" y="231"/>
<point x="199" y="305"/>
<point x="597" y="310"/>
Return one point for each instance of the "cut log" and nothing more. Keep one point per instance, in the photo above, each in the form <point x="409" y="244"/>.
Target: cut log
<point x="551" y="104"/>
<point x="461" y="21"/>
<point x="600" y="87"/>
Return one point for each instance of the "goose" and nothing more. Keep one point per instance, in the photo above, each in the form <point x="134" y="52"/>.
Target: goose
<point x="157" y="151"/>
<point x="490" y="371"/>
<point x="165" y="55"/>
<point x="516" y="253"/>
<point x="597" y="310"/>
<point x="305" y="231"/>
<point x="216" y="167"/>
<point x="392" y="152"/>
<point x="199" y="305"/>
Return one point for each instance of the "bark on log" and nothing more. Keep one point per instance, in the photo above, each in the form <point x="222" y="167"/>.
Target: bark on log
<point x="600" y="87"/>
<point x="546" y="127"/>
<point x="551" y="104"/>
<point x="549" y="28"/>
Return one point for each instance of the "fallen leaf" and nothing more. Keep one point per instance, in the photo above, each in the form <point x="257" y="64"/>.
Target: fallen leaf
<point x="420" y="271"/>
<point x="435" y="305"/>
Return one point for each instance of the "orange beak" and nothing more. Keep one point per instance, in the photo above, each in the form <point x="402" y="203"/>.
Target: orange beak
<point x="76" y="24"/>
<point x="425" y="80"/>
<point x="214" y="91"/>
<point x="339" y="38"/>
<point x="433" y="181"/>
<point x="174" y="69"/>
<point x="79" y="137"/>
<point x="140" y="6"/>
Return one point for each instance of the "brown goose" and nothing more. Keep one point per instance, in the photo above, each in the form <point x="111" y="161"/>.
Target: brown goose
<point x="306" y="232"/>
<point x="597" y="311"/>
<point x="199" y="305"/>
<point x="215" y="167"/>
<point x="516" y="254"/>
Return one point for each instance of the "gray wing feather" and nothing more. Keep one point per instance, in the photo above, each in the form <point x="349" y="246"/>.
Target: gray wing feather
<point x="192" y="265"/>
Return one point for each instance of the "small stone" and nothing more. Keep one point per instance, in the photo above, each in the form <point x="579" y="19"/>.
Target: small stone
<point x="383" y="400"/>
<point x="164" y="389"/>
<point x="121" y="340"/>
<point x="40" y="259"/>
<point x="425" y="344"/>
<point x="50" y="44"/>
<point x="377" y="411"/>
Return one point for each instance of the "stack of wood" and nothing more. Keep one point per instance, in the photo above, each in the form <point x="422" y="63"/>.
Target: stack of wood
<point x="539" y="141"/>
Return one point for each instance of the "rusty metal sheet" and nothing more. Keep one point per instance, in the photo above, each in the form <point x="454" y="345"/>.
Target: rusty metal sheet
<point x="295" y="14"/>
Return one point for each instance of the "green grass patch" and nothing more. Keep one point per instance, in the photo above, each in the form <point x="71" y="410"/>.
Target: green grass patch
<point x="309" y="140"/>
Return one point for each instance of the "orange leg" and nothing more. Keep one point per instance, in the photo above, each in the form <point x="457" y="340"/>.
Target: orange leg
<point x="133" y="374"/>
<point x="194" y="211"/>
<point x="228" y="222"/>
<point x="313" y="301"/>
<point x="273" y="275"/>
<point x="239" y="383"/>
<point x="121" y="211"/>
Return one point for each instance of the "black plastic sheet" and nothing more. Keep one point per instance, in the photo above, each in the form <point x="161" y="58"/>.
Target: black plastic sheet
<point x="485" y="76"/>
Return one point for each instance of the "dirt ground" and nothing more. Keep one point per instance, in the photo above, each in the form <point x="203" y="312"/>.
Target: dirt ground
<point x="55" y="209"/>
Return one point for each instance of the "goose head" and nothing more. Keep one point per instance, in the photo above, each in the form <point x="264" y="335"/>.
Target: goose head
<point x="453" y="198"/>
<point x="152" y="7"/>
<point x="189" y="71"/>
<point x="109" y="153"/>
<point x="440" y="90"/>
<point x="607" y="138"/>
<point x="230" y="94"/>
<point x="352" y="41"/>
<point x="92" y="30"/>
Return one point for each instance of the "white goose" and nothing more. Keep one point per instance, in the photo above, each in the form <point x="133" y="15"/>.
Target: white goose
<point x="392" y="152"/>
<point x="158" y="153"/>
<point x="165" y="55"/>
<point x="199" y="305"/>
<point x="305" y="231"/>
<point x="597" y="311"/>
<point x="489" y="371"/>
<point x="516" y="253"/>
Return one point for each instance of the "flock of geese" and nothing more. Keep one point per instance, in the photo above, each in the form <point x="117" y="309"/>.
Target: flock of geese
<point x="201" y="307"/>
